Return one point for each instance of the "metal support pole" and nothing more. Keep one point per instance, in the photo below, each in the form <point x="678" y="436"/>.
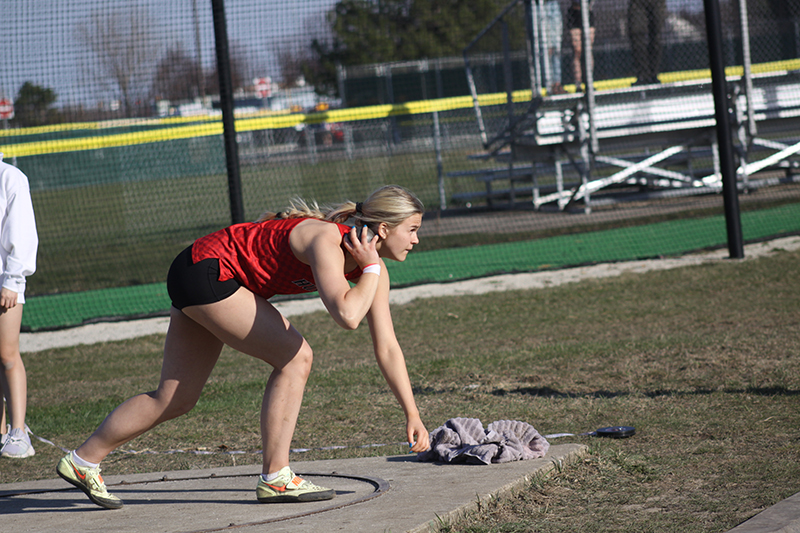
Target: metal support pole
<point x="507" y="73"/>
<point x="395" y="133"/>
<point x="470" y="77"/>
<point x="5" y="127"/>
<point x="226" y="104"/>
<point x="438" y="77"/>
<point x="719" y="86"/>
<point x="532" y="27"/>
<point x="475" y="104"/>
<point x="349" y="145"/>
<point x="201" y="86"/>
<point x="544" y="36"/>
<point x="437" y="146"/>
<point x="742" y="134"/>
<point x="311" y="144"/>
<point x="588" y="73"/>
<point x="341" y="75"/>
<point x="748" y="76"/>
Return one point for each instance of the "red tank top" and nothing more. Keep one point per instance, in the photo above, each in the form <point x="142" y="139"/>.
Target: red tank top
<point x="258" y="255"/>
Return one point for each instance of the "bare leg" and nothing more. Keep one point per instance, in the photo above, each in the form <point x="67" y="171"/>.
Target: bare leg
<point x="190" y="353"/>
<point x="2" y="404"/>
<point x="577" y="47"/>
<point x="247" y="323"/>
<point x="2" y="408"/>
<point x="251" y="324"/>
<point x="13" y="378"/>
<point x="576" y="35"/>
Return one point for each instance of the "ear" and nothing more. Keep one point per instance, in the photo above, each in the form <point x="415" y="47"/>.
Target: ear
<point x="383" y="230"/>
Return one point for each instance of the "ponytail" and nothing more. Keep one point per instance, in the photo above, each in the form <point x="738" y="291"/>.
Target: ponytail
<point x="390" y="204"/>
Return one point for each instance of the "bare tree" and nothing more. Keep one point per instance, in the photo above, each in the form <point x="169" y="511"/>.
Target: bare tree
<point x="123" y="39"/>
<point x="176" y="76"/>
<point x="240" y="70"/>
<point x="296" y="56"/>
<point x="291" y="62"/>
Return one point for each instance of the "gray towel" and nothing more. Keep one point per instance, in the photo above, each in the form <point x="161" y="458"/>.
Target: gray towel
<point x="463" y="440"/>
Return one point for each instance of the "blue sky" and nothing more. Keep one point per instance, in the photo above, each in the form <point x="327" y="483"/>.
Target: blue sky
<point x="39" y="41"/>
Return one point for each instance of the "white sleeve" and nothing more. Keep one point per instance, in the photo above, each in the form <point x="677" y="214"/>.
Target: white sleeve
<point x="18" y="237"/>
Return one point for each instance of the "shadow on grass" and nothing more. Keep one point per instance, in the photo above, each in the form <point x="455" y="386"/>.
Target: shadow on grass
<point x="547" y="392"/>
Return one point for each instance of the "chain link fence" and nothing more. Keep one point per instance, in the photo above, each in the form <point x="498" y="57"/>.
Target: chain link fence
<point x="117" y="123"/>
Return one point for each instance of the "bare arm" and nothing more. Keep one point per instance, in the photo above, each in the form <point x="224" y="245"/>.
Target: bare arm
<point x="393" y="365"/>
<point x="318" y="244"/>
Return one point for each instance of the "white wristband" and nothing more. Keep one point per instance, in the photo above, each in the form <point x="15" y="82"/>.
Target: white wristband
<point x="374" y="268"/>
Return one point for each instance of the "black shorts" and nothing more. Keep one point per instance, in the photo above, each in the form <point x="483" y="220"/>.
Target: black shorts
<point x="575" y="20"/>
<point x="197" y="284"/>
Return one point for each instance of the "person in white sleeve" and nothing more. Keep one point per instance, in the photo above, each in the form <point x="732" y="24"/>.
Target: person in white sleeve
<point x="18" y="245"/>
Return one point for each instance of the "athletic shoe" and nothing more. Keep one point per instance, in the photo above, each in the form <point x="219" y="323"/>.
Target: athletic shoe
<point x="287" y="487"/>
<point x="89" y="481"/>
<point x="17" y="444"/>
<point x="4" y="436"/>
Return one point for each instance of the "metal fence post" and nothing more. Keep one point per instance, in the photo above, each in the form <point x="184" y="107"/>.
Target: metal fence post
<point x="437" y="146"/>
<point x="588" y="74"/>
<point x="719" y="86"/>
<point x="226" y="105"/>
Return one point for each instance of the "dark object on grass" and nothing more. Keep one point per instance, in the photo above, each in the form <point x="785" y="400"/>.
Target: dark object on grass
<point x="616" y="432"/>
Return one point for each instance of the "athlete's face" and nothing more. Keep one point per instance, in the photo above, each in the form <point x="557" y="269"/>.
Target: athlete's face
<point x="396" y="242"/>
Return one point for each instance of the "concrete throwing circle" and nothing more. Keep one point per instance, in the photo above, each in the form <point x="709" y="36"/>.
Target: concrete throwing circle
<point x="191" y="504"/>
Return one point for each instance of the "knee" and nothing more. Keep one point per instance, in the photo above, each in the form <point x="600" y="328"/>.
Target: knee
<point x="179" y="407"/>
<point x="174" y="405"/>
<point x="300" y="364"/>
<point x="10" y="358"/>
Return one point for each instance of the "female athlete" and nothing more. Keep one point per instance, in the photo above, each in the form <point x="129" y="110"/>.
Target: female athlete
<point x="220" y="287"/>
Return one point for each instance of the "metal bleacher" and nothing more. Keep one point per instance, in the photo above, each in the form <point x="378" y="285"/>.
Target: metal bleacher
<point x="628" y="142"/>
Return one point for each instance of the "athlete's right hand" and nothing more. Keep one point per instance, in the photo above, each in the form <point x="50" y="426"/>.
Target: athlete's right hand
<point x="361" y="247"/>
<point x="8" y="299"/>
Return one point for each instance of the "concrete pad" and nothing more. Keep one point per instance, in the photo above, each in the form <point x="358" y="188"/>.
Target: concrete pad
<point x="783" y="517"/>
<point x="394" y="493"/>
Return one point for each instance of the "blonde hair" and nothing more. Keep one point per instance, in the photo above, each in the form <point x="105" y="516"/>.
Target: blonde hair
<point x="390" y="204"/>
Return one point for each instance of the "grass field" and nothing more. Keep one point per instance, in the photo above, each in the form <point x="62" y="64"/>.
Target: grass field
<point x="704" y="361"/>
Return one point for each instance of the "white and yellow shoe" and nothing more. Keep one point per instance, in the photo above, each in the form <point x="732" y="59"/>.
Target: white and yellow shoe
<point x="288" y="487"/>
<point x="89" y="481"/>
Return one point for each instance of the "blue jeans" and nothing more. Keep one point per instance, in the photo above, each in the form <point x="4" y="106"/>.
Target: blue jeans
<point x="551" y="36"/>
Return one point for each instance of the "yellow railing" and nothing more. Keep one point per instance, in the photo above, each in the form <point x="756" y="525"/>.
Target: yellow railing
<point x="175" y="128"/>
